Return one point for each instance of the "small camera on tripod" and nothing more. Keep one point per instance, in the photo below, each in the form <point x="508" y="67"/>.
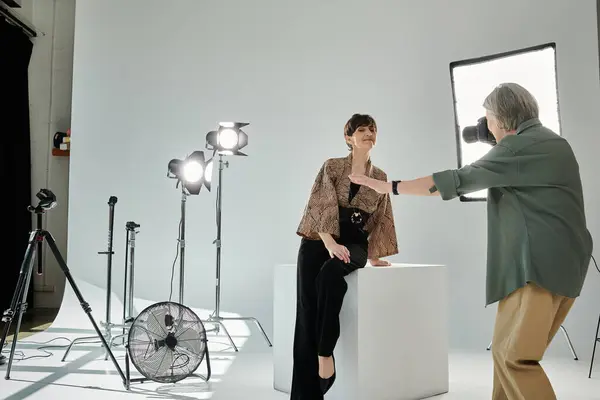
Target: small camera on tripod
<point x="47" y="201"/>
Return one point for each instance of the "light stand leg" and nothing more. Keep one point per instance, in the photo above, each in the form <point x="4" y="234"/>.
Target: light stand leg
<point x="75" y="341"/>
<point x="19" y="300"/>
<point x="564" y="330"/>
<point x="216" y="318"/>
<point x="84" y="305"/>
<point x="251" y="319"/>
<point x="219" y="326"/>
<point x="596" y="340"/>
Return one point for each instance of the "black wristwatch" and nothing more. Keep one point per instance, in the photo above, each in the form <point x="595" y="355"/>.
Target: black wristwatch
<point x="395" y="187"/>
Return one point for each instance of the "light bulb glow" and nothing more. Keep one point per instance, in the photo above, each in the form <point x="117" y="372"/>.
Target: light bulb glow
<point x="192" y="171"/>
<point x="228" y="138"/>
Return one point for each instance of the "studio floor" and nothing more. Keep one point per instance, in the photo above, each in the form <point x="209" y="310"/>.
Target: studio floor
<point x="247" y="374"/>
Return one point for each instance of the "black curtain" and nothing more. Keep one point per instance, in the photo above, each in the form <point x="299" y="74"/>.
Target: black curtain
<point x="15" y="53"/>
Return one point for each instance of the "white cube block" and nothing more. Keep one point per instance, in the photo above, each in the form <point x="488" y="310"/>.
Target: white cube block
<point x="393" y="343"/>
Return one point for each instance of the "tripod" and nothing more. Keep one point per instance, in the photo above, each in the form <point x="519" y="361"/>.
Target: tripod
<point x="19" y="301"/>
<point x="215" y="318"/>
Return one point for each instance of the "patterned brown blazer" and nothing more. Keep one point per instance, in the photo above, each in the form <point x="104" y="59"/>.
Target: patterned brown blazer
<point x="330" y="190"/>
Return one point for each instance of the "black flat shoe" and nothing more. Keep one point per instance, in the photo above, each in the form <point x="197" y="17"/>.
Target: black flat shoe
<point x="326" y="384"/>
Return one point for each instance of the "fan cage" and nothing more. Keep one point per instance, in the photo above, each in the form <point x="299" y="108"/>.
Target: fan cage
<point x="167" y="342"/>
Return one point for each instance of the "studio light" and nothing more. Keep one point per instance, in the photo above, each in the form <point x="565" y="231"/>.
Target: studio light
<point x="193" y="172"/>
<point x="228" y="139"/>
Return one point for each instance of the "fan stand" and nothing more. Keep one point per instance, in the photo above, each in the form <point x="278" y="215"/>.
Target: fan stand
<point x="129" y="380"/>
<point x="215" y="318"/>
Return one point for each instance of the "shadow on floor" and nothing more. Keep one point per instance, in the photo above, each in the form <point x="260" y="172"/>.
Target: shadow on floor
<point x="34" y="321"/>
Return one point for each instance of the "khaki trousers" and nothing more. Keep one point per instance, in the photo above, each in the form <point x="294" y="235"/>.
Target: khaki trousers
<point x="526" y="323"/>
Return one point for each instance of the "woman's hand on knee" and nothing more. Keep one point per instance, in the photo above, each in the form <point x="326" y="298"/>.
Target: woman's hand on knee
<point x="339" y="251"/>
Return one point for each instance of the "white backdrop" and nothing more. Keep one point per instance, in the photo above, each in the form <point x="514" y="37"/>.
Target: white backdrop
<point x="150" y="81"/>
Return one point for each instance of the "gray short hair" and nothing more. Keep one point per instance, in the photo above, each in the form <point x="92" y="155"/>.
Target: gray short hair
<point x="512" y="105"/>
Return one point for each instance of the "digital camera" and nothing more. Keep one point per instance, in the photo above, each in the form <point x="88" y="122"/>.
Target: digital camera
<point x="479" y="133"/>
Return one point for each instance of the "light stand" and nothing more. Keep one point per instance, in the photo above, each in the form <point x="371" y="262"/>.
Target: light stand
<point x="19" y="301"/>
<point x="108" y="325"/>
<point x="183" y="171"/>
<point x="128" y="283"/>
<point x="128" y="290"/>
<point x="192" y="173"/>
<point x="215" y="318"/>
<point x="182" y="246"/>
<point x="109" y="253"/>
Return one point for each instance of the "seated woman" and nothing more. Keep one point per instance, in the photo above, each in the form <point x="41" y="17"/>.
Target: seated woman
<point x="343" y="225"/>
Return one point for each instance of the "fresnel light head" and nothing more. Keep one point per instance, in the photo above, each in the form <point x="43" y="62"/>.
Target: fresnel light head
<point x="228" y="139"/>
<point x="193" y="172"/>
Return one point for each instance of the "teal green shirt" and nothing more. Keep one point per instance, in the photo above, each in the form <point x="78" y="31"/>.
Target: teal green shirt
<point x="536" y="219"/>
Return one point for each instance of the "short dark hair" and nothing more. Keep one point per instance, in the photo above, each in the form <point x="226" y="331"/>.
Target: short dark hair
<point x="357" y="121"/>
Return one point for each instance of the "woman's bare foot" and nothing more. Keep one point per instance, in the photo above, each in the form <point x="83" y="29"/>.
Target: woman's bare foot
<point x="326" y="367"/>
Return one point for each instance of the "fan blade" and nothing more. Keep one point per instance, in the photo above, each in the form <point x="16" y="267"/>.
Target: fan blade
<point x="150" y="361"/>
<point x="157" y="363"/>
<point x="191" y="340"/>
<point x="155" y="322"/>
<point x="140" y="334"/>
<point x="166" y="363"/>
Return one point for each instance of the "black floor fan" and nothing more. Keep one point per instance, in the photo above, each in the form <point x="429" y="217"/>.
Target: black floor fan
<point x="166" y="343"/>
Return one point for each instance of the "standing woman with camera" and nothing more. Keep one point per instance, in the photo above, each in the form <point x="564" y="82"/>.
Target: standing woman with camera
<point x="539" y="247"/>
<point x="343" y="226"/>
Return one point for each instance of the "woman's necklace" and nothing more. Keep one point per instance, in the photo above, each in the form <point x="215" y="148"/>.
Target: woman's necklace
<point x="356" y="217"/>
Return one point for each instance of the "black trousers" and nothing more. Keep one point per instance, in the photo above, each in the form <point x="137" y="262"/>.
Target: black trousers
<point x="321" y="290"/>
